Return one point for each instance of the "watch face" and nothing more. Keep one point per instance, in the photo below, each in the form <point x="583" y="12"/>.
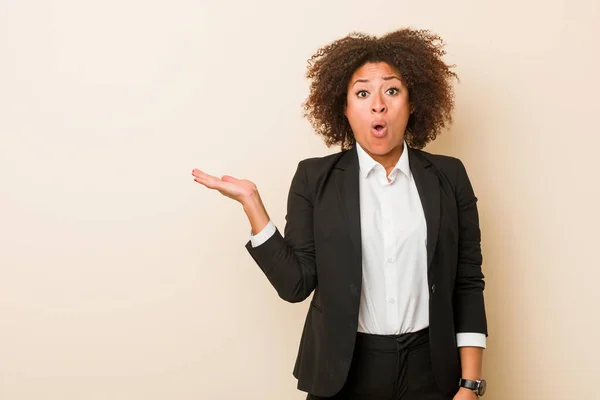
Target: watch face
<point x="482" y="387"/>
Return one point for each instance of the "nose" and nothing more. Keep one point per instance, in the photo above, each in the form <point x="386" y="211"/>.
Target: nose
<point x="378" y="105"/>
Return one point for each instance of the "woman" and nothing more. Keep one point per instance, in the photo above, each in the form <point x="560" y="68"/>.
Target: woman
<point x="386" y="235"/>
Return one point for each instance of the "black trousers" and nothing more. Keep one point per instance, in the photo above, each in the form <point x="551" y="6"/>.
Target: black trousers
<point x="390" y="367"/>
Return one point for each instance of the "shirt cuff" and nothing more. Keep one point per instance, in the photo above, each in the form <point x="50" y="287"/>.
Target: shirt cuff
<point x="471" y="339"/>
<point x="264" y="235"/>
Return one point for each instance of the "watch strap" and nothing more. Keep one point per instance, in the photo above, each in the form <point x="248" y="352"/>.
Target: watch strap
<point x="468" y="384"/>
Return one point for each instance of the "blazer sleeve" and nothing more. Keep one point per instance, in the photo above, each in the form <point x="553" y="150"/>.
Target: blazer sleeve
<point x="289" y="261"/>
<point x="469" y="307"/>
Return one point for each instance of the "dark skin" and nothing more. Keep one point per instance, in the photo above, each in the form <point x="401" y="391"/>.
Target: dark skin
<point x="371" y="96"/>
<point x="415" y="54"/>
<point x="377" y="96"/>
<point x="399" y="82"/>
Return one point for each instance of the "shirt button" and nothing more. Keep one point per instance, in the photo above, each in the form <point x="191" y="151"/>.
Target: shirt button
<point x="392" y="301"/>
<point x="433" y="288"/>
<point x="390" y="260"/>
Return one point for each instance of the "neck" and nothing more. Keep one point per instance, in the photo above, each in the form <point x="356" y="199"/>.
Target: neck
<point x="389" y="160"/>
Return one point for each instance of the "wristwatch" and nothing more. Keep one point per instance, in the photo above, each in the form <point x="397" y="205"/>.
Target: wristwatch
<point x="477" y="386"/>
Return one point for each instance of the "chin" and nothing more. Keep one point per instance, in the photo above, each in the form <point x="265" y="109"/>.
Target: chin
<point x="383" y="148"/>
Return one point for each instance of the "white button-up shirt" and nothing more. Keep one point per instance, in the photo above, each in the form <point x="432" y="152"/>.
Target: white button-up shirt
<point x="395" y="295"/>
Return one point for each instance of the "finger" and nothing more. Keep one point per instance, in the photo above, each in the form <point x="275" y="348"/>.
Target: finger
<point x="198" y="173"/>
<point x="201" y="176"/>
<point x="204" y="177"/>
<point x="210" y="182"/>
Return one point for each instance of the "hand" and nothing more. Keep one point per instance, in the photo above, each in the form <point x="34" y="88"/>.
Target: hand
<point x="241" y="190"/>
<point x="465" y="394"/>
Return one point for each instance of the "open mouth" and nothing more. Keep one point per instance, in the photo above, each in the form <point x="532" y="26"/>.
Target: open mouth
<point x="379" y="129"/>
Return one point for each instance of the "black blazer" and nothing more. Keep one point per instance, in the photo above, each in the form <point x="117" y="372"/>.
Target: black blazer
<point x="321" y="251"/>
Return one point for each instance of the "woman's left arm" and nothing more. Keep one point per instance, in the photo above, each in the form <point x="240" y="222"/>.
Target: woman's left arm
<point x="469" y="307"/>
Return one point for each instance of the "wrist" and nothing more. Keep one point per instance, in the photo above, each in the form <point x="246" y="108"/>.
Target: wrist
<point x="477" y="387"/>
<point x="256" y="212"/>
<point x="465" y="393"/>
<point x="252" y="201"/>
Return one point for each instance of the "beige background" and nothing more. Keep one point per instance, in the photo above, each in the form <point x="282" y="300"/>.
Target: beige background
<point x="121" y="278"/>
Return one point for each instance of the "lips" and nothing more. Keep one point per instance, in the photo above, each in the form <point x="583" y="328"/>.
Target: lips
<point x="379" y="128"/>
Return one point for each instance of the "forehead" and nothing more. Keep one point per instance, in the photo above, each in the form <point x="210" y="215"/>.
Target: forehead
<point x="374" y="70"/>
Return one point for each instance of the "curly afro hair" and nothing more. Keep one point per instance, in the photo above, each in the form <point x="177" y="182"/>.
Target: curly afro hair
<point x="416" y="54"/>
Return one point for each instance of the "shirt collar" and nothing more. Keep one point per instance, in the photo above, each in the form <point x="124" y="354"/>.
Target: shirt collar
<point x="366" y="163"/>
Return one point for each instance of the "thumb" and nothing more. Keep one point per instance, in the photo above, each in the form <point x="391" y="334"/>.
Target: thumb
<point x="228" y="178"/>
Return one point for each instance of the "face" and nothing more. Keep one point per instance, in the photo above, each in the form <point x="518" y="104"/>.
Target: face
<point x="377" y="107"/>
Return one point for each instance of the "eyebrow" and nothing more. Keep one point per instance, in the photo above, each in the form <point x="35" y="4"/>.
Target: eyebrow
<point x="385" y="78"/>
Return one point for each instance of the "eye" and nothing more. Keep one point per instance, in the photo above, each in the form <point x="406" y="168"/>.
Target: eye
<point x="393" y="91"/>
<point x="361" y="93"/>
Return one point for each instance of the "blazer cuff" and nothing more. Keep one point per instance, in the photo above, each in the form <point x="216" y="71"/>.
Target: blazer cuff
<point x="471" y="339"/>
<point x="264" y="235"/>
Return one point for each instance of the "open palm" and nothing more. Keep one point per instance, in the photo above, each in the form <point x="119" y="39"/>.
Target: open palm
<point x="240" y="190"/>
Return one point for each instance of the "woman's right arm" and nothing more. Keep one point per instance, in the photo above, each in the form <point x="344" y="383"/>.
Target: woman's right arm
<point x="288" y="263"/>
<point x="256" y="213"/>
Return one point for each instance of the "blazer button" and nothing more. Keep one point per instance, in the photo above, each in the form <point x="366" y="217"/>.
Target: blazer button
<point x="433" y="288"/>
<point x="353" y="288"/>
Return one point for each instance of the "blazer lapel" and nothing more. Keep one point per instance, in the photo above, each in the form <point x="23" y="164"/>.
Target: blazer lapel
<point x="428" y="186"/>
<point x="348" y="192"/>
